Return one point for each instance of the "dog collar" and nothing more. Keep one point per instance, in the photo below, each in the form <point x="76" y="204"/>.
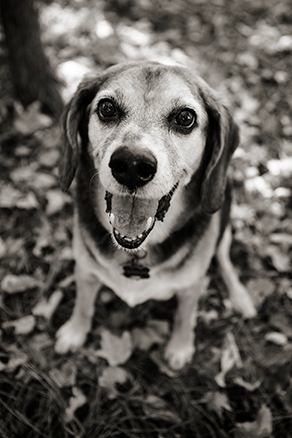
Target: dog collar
<point x="164" y="204"/>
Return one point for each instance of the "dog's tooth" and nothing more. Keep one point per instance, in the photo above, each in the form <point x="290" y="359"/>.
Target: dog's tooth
<point x="111" y="218"/>
<point x="149" y="223"/>
<point x="140" y="236"/>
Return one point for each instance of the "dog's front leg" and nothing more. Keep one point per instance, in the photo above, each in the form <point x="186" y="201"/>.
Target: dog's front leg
<point x="72" y="334"/>
<point x="181" y="348"/>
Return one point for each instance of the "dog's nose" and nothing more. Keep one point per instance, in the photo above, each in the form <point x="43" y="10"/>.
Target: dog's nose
<point x="133" y="169"/>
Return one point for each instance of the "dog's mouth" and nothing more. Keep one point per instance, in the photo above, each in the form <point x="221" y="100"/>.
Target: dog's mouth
<point x="133" y="218"/>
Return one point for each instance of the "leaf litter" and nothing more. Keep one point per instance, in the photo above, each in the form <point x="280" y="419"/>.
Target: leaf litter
<point x="114" y="349"/>
<point x="118" y="384"/>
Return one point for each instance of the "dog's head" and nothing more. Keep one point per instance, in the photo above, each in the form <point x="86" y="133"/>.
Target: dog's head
<point x="148" y="128"/>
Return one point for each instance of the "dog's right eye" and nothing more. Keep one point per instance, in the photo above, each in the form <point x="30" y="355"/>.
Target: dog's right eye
<point x="107" y="110"/>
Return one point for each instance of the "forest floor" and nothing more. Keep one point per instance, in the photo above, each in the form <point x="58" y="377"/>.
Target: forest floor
<point x="240" y="381"/>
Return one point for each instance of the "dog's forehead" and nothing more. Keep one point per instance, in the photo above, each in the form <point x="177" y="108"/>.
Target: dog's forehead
<point x="153" y="85"/>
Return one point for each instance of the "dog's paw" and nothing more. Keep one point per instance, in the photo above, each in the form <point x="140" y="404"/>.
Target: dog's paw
<point x="242" y="303"/>
<point x="70" y="337"/>
<point x="178" y="354"/>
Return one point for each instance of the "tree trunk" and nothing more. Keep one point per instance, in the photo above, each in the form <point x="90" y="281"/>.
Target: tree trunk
<point x="31" y="73"/>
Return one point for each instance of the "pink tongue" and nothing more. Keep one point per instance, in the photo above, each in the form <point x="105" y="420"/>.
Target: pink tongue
<point x="131" y="214"/>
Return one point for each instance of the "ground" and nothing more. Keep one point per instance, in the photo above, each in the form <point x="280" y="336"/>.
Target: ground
<point x="240" y="381"/>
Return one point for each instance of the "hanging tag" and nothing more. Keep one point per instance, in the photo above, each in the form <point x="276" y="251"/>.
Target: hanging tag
<point x="135" y="270"/>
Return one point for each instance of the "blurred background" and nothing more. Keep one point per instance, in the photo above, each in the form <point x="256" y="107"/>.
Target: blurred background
<point x="240" y="383"/>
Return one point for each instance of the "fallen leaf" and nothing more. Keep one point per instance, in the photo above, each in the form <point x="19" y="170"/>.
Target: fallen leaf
<point x="247" y="59"/>
<point x="43" y="181"/>
<point x="267" y="224"/>
<point x="259" y="185"/>
<point x="31" y="119"/>
<point x="243" y="214"/>
<point x="66" y="376"/>
<point x="40" y="341"/>
<point x="276" y="338"/>
<point x="28" y="202"/>
<point x="76" y="401"/>
<point x="22" y="326"/>
<point x="247" y="385"/>
<point x="22" y="151"/>
<point x="216" y="401"/>
<point x="19" y="283"/>
<point x="47" y="307"/>
<point x="23" y="173"/>
<point x="279" y="259"/>
<point x="49" y="157"/>
<point x="156" y="408"/>
<point x="154" y="333"/>
<point x="67" y="281"/>
<point x="66" y="253"/>
<point x="230" y="358"/>
<point x="14" y="246"/>
<point x="260" y="428"/>
<point x="106" y="296"/>
<point x="116" y="350"/>
<point x="260" y="289"/>
<point x="44" y="236"/>
<point x="56" y="201"/>
<point x="11" y="197"/>
<point x="209" y="316"/>
<point x="283" y="239"/>
<point x="282" y="168"/>
<point x="282" y="323"/>
<point x="282" y="192"/>
<point x="110" y="377"/>
<point x="12" y="360"/>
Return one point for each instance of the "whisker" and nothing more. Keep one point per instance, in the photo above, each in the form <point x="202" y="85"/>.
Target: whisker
<point x="92" y="178"/>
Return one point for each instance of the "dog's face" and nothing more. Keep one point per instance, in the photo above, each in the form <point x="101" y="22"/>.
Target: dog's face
<point x="150" y="130"/>
<point x="147" y="134"/>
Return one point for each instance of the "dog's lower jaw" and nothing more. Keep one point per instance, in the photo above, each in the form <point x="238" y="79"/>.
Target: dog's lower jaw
<point x="134" y="243"/>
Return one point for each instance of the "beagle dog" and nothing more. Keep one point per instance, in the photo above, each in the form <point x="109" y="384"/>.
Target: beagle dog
<point x="150" y="146"/>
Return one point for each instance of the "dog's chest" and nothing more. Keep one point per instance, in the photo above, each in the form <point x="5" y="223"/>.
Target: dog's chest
<point x="135" y="281"/>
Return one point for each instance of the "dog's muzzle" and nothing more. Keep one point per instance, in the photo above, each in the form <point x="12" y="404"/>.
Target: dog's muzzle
<point x="133" y="217"/>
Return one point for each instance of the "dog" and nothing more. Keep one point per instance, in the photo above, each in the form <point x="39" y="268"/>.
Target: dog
<point x="150" y="145"/>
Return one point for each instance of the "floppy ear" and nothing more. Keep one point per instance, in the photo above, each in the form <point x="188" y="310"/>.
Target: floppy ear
<point x="222" y="140"/>
<point x="73" y="120"/>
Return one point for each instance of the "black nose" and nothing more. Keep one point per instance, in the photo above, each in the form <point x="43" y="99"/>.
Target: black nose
<point x="133" y="169"/>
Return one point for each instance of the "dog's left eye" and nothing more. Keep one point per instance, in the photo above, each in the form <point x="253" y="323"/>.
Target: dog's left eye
<point x="107" y="110"/>
<point x="186" y="118"/>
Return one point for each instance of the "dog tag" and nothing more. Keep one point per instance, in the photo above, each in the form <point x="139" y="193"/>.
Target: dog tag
<point x="135" y="270"/>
